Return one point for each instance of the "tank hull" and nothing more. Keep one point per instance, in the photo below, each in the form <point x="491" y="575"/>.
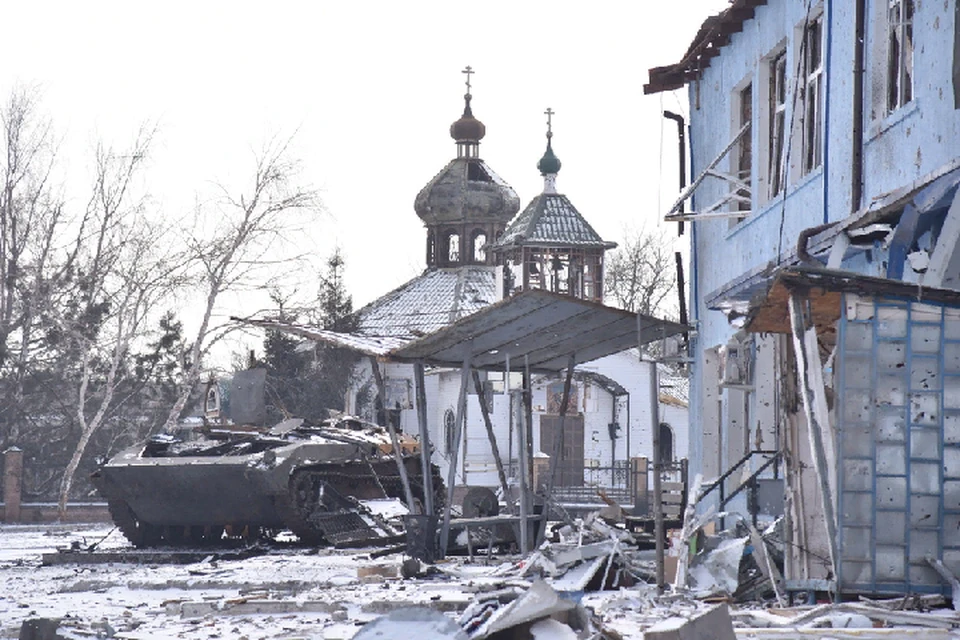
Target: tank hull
<point x="161" y="493"/>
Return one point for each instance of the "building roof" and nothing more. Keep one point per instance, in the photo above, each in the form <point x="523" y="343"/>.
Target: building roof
<point x="551" y="220"/>
<point x="714" y="33"/>
<point x="536" y="328"/>
<point x="429" y="302"/>
<point x="674" y="387"/>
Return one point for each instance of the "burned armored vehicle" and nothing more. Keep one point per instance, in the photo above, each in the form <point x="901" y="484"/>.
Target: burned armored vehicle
<point x="196" y="484"/>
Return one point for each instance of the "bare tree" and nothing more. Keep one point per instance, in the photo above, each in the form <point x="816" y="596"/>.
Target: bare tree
<point x="31" y="215"/>
<point x="243" y="251"/>
<point x="641" y="273"/>
<point x="124" y="272"/>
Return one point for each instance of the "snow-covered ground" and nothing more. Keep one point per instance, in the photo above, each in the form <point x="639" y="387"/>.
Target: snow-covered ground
<point x="306" y="594"/>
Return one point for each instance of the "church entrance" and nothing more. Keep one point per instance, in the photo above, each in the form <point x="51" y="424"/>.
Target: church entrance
<point x="570" y="465"/>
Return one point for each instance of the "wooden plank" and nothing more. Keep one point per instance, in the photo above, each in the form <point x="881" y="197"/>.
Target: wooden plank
<point x="673" y="486"/>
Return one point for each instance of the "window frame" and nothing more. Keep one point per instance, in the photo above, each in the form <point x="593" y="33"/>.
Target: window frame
<point x="777" y="124"/>
<point x="900" y="59"/>
<point x="811" y="141"/>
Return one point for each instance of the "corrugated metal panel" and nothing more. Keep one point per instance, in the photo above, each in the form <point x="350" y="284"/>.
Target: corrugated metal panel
<point x="543" y="327"/>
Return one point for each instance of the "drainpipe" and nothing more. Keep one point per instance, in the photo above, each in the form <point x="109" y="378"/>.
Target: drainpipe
<point x="682" y="156"/>
<point x="694" y="310"/>
<point x="681" y="140"/>
<point x="828" y="19"/>
<point x="856" y="169"/>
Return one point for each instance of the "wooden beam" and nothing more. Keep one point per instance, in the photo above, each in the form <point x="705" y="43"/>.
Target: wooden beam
<point x="686" y="193"/>
<point x="658" y="530"/>
<point x="458" y="437"/>
<point x="808" y="364"/>
<point x="425" y="451"/>
<point x="491" y="436"/>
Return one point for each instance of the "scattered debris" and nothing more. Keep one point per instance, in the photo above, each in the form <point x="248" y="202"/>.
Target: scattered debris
<point x="410" y="622"/>
<point x="712" y="624"/>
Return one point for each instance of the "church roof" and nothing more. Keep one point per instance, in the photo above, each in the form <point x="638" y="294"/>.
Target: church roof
<point x="429" y="302"/>
<point x="551" y="220"/>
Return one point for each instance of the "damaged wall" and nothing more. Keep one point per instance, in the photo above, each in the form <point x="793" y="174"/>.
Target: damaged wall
<point x="898" y="432"/>
<point x="901" y="145"/>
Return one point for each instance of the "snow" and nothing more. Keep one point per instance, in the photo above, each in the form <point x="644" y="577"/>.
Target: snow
<point x="146" y="601"/>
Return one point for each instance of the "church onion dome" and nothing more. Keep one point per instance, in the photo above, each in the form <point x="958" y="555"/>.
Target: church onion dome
<point x="549" y="163"/>
<point x="467" y="128"/>
<point x="466" y="190"/>
<point x="550" y="220"/>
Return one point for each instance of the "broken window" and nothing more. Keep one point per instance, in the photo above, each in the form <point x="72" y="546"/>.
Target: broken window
<point x="453" y="247"/>
<point x="900" y="54"/>
<point x="812" y="92"/>
<point x="778" y="110"/>
<point x="477" y="172"/>
<point x="449" y="431"/>
<point x="398" y="393"/>
<point x="744" y="149"/>
<point x="479" y="241"/>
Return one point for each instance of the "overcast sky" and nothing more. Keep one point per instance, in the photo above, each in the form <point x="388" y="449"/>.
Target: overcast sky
<point x="371" y="89"/>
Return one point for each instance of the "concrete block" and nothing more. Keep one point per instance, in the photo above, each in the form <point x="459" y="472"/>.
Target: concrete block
<point x="713" y="624"/>
<point x="378" y="571"/>
<point x="40" y="629"/>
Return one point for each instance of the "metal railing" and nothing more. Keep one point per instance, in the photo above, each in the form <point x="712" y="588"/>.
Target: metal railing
<point x="720" y="483"/>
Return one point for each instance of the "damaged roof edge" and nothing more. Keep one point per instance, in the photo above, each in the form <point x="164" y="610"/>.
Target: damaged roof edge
<point x="768" y="314"/>
<point x="820" y="238"/>
<point x="378" y="346"/>
<point x="713" y="34"/>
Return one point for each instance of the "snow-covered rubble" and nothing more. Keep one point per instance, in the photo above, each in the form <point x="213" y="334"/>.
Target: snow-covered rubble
<point x="290" y="592"/>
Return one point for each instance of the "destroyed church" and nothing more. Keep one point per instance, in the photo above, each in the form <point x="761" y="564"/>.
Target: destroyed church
<point x="823" y="217"/>
<point x="481" y="248"/>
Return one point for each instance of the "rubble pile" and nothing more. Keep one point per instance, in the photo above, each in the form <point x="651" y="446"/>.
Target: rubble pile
<point x="588" y="581"/>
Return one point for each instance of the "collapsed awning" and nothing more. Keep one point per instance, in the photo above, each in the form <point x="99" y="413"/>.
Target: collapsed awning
<point x="823" y="288"/>
<point x="367" y="345"/>
<point x="538" y="327"/>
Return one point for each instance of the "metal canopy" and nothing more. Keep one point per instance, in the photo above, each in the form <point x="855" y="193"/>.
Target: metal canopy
<point x="367" y="345"/>
<point x="543" y="327"/>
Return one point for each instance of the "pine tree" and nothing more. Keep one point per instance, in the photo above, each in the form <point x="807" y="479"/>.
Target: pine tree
<point x="336" y="305"/>
<point x="308" y="383"/>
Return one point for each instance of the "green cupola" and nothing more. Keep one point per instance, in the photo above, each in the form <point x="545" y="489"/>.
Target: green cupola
<point x="549" y="163"/>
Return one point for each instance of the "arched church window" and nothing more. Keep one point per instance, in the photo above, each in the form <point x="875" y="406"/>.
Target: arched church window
<point x="431" y="247"/>
<point x="479" y="242"/>
<point x="453" y="247"/>
<point x="449" y="431"/>
<point x="666" y="443"/>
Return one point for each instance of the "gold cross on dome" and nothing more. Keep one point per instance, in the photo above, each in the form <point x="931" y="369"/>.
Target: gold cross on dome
<point x="469" y="71"/>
